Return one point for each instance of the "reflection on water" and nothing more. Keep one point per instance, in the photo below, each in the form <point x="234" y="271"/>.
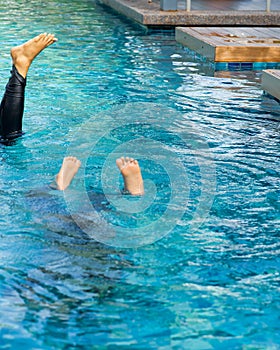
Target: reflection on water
<point x="213" y="287"/>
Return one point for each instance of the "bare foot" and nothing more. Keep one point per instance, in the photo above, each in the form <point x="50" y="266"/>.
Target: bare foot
<point x="131" y="172"/>
<point x="24" y="54"/>
<point x="68" y="170"/>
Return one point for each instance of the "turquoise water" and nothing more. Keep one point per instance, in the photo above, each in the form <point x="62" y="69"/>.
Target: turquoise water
<point x="212" y="281"/>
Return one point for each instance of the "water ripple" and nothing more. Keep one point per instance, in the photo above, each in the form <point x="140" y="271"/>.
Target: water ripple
<point x="216" y="287"/>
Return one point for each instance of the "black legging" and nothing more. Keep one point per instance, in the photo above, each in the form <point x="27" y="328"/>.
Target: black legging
<point x="11" y="108"/>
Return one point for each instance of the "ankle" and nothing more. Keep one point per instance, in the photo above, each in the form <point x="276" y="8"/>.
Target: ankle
<point x="59" y="182"/>
<point x="20" y="61"/>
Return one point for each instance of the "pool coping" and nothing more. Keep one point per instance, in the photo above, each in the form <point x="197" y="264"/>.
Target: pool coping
<point x="271" y="82"/>
<point x="149" y="14"/>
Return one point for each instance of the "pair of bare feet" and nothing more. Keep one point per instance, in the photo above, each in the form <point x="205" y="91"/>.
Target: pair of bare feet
<point x="129" y="168"/>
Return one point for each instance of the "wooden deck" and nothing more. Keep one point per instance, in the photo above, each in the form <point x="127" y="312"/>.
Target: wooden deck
<point x="224" y="44"/>
<point x="271" y="82"/>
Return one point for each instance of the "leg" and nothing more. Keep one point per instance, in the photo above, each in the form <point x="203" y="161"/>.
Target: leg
<point x="11" y="108"/>
<point x="131" y="172"/>
<point x="12" y="105"/>
<point x="68" y="170"/>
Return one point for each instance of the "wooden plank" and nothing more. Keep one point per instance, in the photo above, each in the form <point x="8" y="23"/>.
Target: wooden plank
<point x="271" y="82"/>
<point x="268" y="32"/>
<point x="224" y="36"/>
<point x="239" y="33"/>
<point x="251" y="42"/>
<point x="204" y="35"/>
<point x="235" y="31"/>
<point x="275" y="31"/>
<point x="247" y="54"/>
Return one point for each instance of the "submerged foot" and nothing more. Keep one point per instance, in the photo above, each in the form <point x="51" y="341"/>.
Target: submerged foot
<point x="131" y="172"/>
<point x="68" y="170"/>
<point x="24" y="54"/>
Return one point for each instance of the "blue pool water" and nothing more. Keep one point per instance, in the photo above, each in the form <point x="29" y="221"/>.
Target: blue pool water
<point x="206" y="276"/>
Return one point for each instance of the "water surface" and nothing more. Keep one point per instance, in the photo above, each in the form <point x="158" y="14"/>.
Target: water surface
<point x="213" y="287"/>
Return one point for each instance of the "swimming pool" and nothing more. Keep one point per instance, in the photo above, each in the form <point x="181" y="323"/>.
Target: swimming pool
<point x="212" y="282"/>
